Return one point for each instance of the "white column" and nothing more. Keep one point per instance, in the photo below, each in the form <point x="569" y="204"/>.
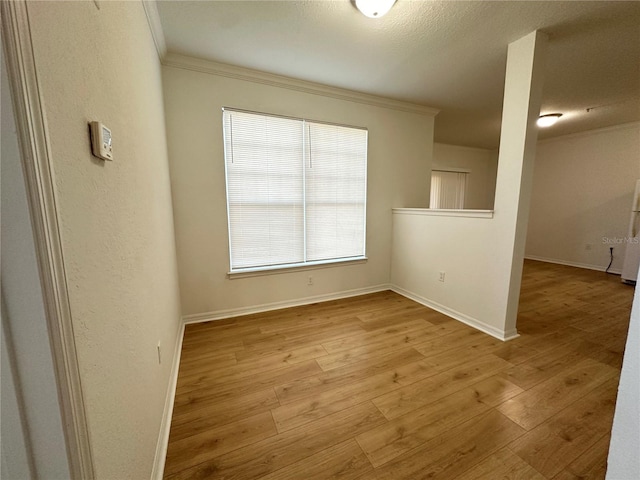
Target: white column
<point x="518" y="135"/>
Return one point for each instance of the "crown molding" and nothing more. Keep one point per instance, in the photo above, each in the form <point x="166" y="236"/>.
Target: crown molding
<point x="465" y="147"/>
<point x="153" y="19"/>
<point x="587" y="133"/>
<point x="239" y="73"/>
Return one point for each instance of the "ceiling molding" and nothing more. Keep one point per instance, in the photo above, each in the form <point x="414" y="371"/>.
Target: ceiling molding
<point x="465" y="147"/>
<point x="445" y="168"/>
<point x="255" y="76"/>
<point x="587" y="133"/>
<point x="153" y="18"/>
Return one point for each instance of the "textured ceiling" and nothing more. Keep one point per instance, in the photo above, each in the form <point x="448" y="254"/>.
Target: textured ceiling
<point x="445" y="54"/>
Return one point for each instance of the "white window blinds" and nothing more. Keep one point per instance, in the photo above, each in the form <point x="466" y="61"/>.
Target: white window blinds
<point x="448" y="189"/>
<point x="296" y="190"/>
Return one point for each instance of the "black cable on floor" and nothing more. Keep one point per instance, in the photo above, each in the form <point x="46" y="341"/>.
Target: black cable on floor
<point x="611" y="261"/>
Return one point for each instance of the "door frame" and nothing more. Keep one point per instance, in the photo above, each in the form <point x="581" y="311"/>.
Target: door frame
<point x="38" y="172"/>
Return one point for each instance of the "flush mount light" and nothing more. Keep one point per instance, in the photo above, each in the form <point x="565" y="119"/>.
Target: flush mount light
<point x="374" y="8"/>
<point x="548" y="120"/>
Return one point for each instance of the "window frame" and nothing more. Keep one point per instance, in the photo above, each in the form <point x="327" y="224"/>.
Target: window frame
<point x="305" y="265"/>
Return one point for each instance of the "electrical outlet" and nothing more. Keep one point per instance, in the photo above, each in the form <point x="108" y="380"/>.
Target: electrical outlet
<point x="159" y="354"/>
<point x="441" y="278"/>
<point x="310" y="280"/>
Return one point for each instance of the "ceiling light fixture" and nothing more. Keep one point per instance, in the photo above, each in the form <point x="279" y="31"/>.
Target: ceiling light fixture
<point x="374" y="8"/>
<point x="548" y="120"/>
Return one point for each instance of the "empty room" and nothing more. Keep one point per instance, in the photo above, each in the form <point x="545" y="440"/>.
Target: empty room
<point x="341" y="239"/>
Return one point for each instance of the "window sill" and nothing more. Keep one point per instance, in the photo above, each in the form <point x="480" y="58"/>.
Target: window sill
<point x="437" y="212"/>
<point x="256" y="272"/>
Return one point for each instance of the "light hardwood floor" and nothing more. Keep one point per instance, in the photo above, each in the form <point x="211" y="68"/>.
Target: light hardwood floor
<point x="380" y="387"/>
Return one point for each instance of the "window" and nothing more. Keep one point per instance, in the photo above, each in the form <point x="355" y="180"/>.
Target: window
<point x="448" y="189"/>
<point x="296" y="191"/>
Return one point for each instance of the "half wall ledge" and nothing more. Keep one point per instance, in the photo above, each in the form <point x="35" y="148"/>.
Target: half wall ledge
<point x="438" y="212"/>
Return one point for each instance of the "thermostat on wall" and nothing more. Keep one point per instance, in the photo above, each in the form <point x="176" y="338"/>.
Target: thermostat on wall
<point x="101" y="141"/>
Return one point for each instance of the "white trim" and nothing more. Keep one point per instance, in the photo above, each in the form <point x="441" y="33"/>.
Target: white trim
<point x="300" y="267"/>
<point x="568" y="263"/>
<point x="588" y="133"/>
<point x="436" y="168"/>
<point x="153" y="19"/>
<point x="237" y="312"/>
<point x="461" y="317"/>
<point x="230" y="71"/>
<point x="39" y="179"/>
<point x="443" y="212"/>
<point x="165" y="427"/>
<point x="464" y="147"/>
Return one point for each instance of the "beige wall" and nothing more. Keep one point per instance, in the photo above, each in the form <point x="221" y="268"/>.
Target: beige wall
<point x="482" y="166"/>
<point x="116" y="219"/>
<point x="582" y="192"/>
<point x="399" y="161"/>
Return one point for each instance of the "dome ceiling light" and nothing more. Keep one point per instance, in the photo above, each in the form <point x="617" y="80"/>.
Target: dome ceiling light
<point x="374" y="8"/>
<point x="548" y="120"/>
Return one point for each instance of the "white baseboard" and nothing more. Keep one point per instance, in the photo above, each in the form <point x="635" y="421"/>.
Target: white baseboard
<point x="236" y="312"/>
<point x="587" y="266"/>
<point x="163" y="437"/>
<point x="472" y="322"/>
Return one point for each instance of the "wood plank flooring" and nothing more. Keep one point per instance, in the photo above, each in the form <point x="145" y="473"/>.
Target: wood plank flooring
<point x="380" y="387"/>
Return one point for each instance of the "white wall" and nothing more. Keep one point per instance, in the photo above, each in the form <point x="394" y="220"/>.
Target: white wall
<point x="399" y="162"/>
<point x="32" y="436"/>
<point x="582" y="192"/>
<point x="624" y="462"/>
<point x="481" y="257"/>
<point x="468" y="251"/>
<point x="100" y="63"/>
<point x="482" y="166"/>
